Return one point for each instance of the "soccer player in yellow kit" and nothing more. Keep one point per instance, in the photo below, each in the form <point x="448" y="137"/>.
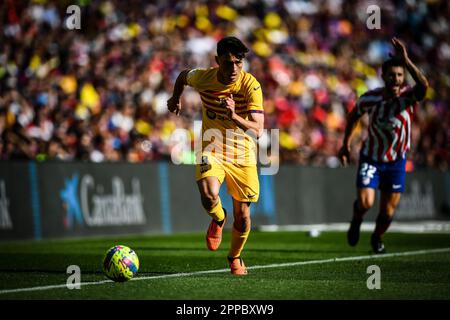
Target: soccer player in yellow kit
<point x="232" y="114"/>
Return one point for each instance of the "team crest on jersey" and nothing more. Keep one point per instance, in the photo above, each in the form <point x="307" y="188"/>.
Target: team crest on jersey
<point x="211" y="114"/>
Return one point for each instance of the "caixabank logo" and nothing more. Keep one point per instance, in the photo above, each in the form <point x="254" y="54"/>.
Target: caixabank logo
<point x="87" y="202"/>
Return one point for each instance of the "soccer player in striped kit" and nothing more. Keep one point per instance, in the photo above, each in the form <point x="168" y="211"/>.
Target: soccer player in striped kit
<point x="383" y="154"/>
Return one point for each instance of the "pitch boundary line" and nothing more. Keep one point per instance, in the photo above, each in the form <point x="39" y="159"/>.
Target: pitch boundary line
<point x="268" y="266"/>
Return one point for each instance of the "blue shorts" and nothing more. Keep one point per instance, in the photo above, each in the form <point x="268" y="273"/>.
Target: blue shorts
<point x="387" y="176"/>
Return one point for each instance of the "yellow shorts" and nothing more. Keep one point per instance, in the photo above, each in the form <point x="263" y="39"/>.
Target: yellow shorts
<point x="242" y="181"/>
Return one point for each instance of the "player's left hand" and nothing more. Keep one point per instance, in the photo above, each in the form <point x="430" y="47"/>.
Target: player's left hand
<point x="400" y="49"/>
<point x="228" y="102"/>
<point x="344" y="155"/>
<point x="174" y="105"/>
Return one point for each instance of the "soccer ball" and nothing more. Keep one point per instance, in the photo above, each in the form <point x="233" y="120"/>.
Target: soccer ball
<point x="120" y="263"/>
<point x="314" y="233"/>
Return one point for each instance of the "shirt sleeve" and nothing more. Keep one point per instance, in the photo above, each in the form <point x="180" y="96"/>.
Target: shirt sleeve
<point x="409" y="95"/>
<point x="255" y="98"/>
<point x="366" y="102"/>
<point x="193" y="77"/>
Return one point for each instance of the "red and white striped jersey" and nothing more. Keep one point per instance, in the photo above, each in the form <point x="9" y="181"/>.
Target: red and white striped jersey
<point x="390" y="118"/>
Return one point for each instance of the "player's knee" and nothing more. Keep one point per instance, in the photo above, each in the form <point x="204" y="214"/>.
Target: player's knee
<point x="389" y="203"/>
<point x="209" y="199"/>
<point x="365" y="204"/>
<point x="390" y="209"/>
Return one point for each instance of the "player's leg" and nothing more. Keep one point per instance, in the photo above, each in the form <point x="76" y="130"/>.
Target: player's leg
<point x="239" y="235"/>
<point x="388" y="203"/>
<point x="243" y="185"/>
<point x="209" y="194"/>
<point x="209" y="180"/>
<point x="364" y="201"/>
<point x="392" y="184"/>
<point x="366" y="182"/>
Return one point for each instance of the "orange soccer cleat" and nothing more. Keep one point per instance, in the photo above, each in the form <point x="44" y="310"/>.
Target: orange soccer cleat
<point x="237" y="266"/>
<point x="214" y="233"/>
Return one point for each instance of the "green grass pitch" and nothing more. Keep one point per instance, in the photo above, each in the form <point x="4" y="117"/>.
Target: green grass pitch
<point x="27" y="264"/>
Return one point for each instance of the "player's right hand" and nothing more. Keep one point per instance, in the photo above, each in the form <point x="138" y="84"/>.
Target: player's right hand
<point x="174" y="105"/>
<point x="344" y="155"/>
<point x="400" y="49"/>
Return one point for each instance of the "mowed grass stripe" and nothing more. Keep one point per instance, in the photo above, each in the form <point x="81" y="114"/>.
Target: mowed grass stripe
<point x="278" y="265"/>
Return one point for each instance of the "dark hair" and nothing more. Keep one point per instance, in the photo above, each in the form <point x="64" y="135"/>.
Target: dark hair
<point x="392" y="62"/>
<point x="231" y="45"/>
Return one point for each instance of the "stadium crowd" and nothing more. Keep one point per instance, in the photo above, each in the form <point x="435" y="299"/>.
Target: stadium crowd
<point x="99" y="93"/>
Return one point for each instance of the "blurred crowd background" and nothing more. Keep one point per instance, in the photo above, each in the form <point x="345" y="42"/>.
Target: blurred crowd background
<point x="99" y="93"/>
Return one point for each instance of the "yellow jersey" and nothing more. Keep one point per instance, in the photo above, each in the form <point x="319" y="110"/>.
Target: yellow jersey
<point x="221" y="137"/>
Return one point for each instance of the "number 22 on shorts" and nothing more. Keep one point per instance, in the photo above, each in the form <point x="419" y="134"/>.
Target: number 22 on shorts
<point x="367" y="171"/>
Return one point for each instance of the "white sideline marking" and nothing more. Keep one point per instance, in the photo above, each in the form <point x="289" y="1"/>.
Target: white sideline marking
<point x="276" y="265"/>
<point x="401" y="227"/>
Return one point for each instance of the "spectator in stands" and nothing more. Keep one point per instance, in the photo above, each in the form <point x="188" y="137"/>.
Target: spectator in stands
<point x="98" y="94"/>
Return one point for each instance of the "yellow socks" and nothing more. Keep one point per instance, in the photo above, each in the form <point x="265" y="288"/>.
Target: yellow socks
<point x="217" y="212"/>
<point x="238" y="240"/>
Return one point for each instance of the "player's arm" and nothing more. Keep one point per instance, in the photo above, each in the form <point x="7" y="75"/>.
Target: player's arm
<point x="255" y="124"/>
<point x="173" y="104"/>
<point x="420" y="89"/>
<point x="352" y="119"/>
